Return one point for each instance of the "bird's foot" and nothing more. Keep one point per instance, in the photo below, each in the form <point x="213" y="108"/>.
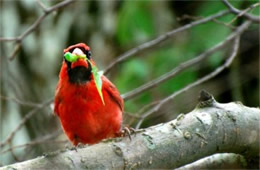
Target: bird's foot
<point x="127" y="131"/>
<point x="81" y="145"/>
<point x="76" y="147"/>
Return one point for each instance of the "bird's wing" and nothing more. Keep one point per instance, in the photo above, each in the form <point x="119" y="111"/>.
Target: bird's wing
<point x="113" y="92"/>
<point x="57" y="100"/>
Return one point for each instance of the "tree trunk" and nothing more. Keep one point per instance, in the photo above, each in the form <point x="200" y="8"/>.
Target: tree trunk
<point x="210" y="128"/>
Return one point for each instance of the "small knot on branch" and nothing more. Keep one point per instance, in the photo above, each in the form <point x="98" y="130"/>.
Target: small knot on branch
<point x="205" y="99"/>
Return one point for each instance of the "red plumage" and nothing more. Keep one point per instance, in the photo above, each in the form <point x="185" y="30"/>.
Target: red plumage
<point x="84" y="118"/>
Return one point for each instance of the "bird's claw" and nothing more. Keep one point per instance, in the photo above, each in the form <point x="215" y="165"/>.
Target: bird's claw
<point x="127" y="131"/>
<point x="76" y="147"/>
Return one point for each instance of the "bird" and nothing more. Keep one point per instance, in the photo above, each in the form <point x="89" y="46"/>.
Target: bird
<point x="88" y="105"/>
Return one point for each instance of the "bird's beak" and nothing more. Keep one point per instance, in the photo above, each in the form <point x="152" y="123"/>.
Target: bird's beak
<point x="75" y="55"/>
<point x="78" y="52"/>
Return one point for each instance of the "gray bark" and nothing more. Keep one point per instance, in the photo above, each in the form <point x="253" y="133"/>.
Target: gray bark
<point x="210" y="128"/>
<point x="219" y="161"/>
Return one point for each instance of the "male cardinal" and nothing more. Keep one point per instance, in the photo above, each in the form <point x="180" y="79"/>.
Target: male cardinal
<point x="86" y="116"/>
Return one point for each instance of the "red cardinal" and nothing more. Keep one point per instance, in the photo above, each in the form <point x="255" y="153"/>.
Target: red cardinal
<point x="85" y="118"/>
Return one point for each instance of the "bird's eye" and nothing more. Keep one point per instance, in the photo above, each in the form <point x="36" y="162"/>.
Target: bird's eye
<point x="89" y="54"/>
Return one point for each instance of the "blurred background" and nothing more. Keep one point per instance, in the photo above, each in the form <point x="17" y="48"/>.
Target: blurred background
<point x="110" y="29"/>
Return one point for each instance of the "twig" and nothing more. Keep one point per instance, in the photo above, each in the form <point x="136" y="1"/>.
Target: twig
<point x="42" y="5"/>
<point x="35" y="142"/>
<point x="245" y="11"/>
<point x="243" y="27"/>
<point x="154" y="42"/>
<point x="46" y="13"/>
<point x="132" y="115"/>
<point x="137" y="115"/>
<point x="186" y="16"/>
<point x="16" y="50"/>
<point x="20" y="101"/>
<point x="147" y="106"/>
<point x="12" y="153"/>
<point x="22" y="122"/>
<point x="225" y="24"/>
<point x="20" y="38"/>
<point x="8" y="39"/>
<point x="180" y="68"/>
<point x="249" y="9"/>
<point x="242" y="13"/>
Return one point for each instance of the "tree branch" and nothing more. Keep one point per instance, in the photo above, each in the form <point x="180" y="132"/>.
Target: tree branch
<point x="210" y="128"/>
<point x="20" y="38"/>
<point x="242" y="13"/>
<point x="244" y="26"/>
<point x="43" y="139"/>
<point x="158" y="40"/>
<point x="218" y="161"/>
<point x="21" y="102"/>
<point x="182" y="67"/>
<point x="23" y="121"/>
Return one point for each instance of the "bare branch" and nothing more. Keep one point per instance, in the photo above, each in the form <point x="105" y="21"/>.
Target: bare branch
<point x="13" y="154"/>
<point x="186" y="16"/>
<point x="16" y="50"/>
<point x="23" y="121"/>
<point x="242" y="13"/>
<point x="60" y="5"/>
<point x="39" y="20"/>
<point x="20" y="38"/>
<point x="41" y="140"/>
<point x="42" y="5"/>
<point x="20" y="101"/>
<point x="8" y="39"/>
<point x="182" y="67"/>
<point x="248" y="9"/>
<point x="243" y="27"/>
<point x="158" y="40"/>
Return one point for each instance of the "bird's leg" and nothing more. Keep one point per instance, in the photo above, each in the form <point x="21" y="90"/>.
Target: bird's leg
<point x="77" y="146"/>
<point x="81" y="145"/>
<point x="71" y="148"/>
<point x="126" y="131"/>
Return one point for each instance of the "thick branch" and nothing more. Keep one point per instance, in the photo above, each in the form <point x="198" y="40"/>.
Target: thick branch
<point x="210" y="128"/>
<point x="218" y="161"/>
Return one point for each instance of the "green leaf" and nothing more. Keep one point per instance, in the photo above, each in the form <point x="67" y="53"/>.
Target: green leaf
<point x="98" y="81"/>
